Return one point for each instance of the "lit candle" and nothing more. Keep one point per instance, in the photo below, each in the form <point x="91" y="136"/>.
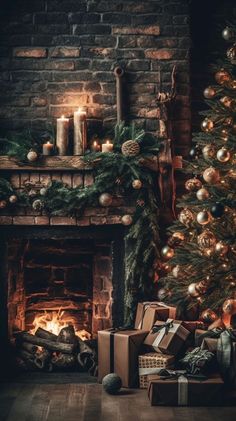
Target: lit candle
<point x="95" y="146"/>
<point x="62" y="135"/>
<point x="80" y="132"/>
<point x="107" y="147"/>
<point x="47" y="148"/>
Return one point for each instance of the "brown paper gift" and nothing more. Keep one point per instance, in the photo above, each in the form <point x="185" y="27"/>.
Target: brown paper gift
<point x="184" y="391"/>
<point x="118" y="352"/>
<point x="167" y="341"/>
<point x="193" y="325"/>
<point x="148" y="312"/>
<point x="152" y="363"/>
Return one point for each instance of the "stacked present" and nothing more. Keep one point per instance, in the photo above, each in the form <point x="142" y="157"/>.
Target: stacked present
<point x="176" y="361"/>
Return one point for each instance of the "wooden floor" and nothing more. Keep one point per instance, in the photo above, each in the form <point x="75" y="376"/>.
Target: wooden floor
<point x="88" y="402"/>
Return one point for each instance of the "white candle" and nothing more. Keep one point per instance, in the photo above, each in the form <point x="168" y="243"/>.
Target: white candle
<point x="80" y="132"/>
<point x="95" y="146"/>
<point x="62" y="135"/>
<point x="107" y="147"/>
<point x="47" y="148"/>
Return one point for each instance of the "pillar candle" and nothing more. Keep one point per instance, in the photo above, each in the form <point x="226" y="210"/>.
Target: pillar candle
<point x="47" y="148"/>
<point x="62" y="135"/>
<point x="107" y="147"/>
<point x="95" y="146"/>
<point x="80" y="132"/>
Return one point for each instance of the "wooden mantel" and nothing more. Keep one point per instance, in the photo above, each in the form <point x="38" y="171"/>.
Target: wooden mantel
<point x="46" y="163"/>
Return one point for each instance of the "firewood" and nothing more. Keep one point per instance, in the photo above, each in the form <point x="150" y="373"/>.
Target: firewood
<point x="42" y="359"/>
<point x="28" y="359"/>
<point x="67" y="335"/>
<point x="45" y="334"/>
<point x="29" y="347"/>
<point x="63" y="360"/>
<point x="48" y="344"/>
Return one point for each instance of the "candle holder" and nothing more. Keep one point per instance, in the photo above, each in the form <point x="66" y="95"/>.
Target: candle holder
<point x="80" y="132"/>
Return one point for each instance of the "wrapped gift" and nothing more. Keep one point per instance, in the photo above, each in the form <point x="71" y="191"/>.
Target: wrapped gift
<point x="152" y="363"/>
<point x="118" y="352"/>
<point x="167" y="337"/>
<point x="193" y="325"/>
<point x="182" y="390"/>
<point x="148" y="312"/>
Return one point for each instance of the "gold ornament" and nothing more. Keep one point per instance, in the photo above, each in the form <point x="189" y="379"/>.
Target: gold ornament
<point x="202" y="194"/>
<point x="229" y="306"/>
<point x="32" y="156"/>
<point x="228" y="121"/>
<point x="192" y="290"/>
<point x="222" y="77"/>
<point x="13" y="198"/>
<point x="130" y="148"/>
<point x="206" y="240"/>
<point x="126" y="219"/>
<point x="207" y="125"/>
<point x="201" y="287"/>
<point x="193" y="184"/>
<point x="176" y="238"/>
<point x="186" y="217"/>
<point x="227" y="101"/>
<point x="228" y="33"/>
<point x="203" y="217"/>
<point x="211" y="175"/>
<point x="225" y="134"/>
<point x="208" y="316"/>
<point x="221" y="248"/>
<point x="231" y="53"/>
<point x="3" y="204"/>
<point x="105" y="199"/>
<point x="223" y="155"/>
<point x="137" y="184"/>
<point x="209" y="92"/>
<point x="167" y="252"/>
<point x="208" y="151"/>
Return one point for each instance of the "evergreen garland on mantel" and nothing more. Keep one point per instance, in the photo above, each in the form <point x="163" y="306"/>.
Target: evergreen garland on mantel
<point x="120" y="172"/>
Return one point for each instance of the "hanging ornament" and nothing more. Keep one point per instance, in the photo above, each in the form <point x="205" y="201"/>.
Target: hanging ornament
<point x="32" y="193"/>
<point x="37" y="205"/>
<point x="227" y="101"/>
<point x="221" y="248"/>
<point x="225" y="266"/>
<point x="211" y="175"/>
<point x="208" y="316"/>
<point x="137" y="184"/>
<point x="3" y="204"/>
<point x="232" y="174"/>
<point x="192" y="291"/>
<point x="176" y="239"/>
<point x="223" y="155"/>
<point x="202" y="194"/>
<point x="162" y="294"/>
<point x="193" y="184"/>
<point x="194" y="152"/>
<point x="13" y="199"/>
<point x="105" y="199"/>
<point x="43" y="191"/>
<point x="32" y="156"/>
<point x="232" y="84"/>
<point x="228" y="33"/>
<point x="130" y="148"/>
<point x="222" y="77"/>
<point x="231" y="53"/>
<point x="167" y="267"/>
<point x="126" y="219"/>
<point x="209" y="92"/>
<point x="208" y="151"/>
<point x="167" y="252"/>
<point x="203" y="217"/>
<point x="207" y="125"/>
<point x="229" y="306"/>
<point x="217" y="210"/>
<point x="224" y="134"/>
<point x="186" y="217"/>
<point x="228" y="121"/>
<point x="206" y="240"/>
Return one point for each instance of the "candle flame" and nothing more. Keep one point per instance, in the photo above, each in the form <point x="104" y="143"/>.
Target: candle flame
<point x="108" y="142"/>
<point x="48" y="142"/>
<point x="95" y="143"/>
<point x="62" y="116"/>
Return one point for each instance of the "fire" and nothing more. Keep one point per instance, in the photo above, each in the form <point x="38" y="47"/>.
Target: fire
<point x="54" y="321"/>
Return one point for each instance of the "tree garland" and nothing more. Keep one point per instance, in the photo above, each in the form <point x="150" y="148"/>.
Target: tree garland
<point x="122" y="172"/>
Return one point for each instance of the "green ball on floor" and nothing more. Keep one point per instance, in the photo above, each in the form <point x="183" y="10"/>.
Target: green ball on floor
<point x="111" y="383"/>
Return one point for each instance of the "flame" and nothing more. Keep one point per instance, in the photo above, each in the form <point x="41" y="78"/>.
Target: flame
<point x="53" y="321"/>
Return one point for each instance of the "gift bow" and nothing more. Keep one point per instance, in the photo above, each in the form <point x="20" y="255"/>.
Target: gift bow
<point x="167" y="326"/>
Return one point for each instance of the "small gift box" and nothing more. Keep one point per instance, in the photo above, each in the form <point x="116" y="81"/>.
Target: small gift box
<point x="167" y="337"/>
<point x="150" y="311"/>
<point x="152" y="363"/>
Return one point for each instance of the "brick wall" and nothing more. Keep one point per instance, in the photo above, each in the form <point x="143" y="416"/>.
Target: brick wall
<point x="56" y="55"/>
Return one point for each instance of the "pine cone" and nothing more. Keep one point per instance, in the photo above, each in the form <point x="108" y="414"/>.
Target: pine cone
<point x="130" y="148"/>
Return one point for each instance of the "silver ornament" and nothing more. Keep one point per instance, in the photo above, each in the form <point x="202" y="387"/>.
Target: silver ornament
<point x="223" y="155"/>
<point x="208" y="151"/>
<point x="203" y="217"/>
<point x="167" y="252"/>
<point x="192" y="290"/>
<point x="202" y="194"/>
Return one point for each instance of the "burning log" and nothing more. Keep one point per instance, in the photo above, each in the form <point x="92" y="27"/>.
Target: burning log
<point x="44" y="334"/>
<point x="42" y="359"/>
<point x="26" y="346"/>
<point x="28" y="358"/>
<point x="67" y="335"/>
<point x="63" y="360"/>
<point x="46" y="343"/>
<point x="87" y="357"/>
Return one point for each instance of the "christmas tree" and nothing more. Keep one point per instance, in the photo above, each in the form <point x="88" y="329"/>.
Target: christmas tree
<point x="201" y="249"/>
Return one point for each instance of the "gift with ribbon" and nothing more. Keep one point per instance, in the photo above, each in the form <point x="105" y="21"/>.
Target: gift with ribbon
<point x="172" y="388"/>
<point x="118" y="351"/>
<point x="152" y="363"/>
<point x="167" y="337"/>
<point x="150" y="311"/>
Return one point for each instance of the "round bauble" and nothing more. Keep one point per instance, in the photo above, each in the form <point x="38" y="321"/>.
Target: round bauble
<point x="207" y="125"/>
<point x="127" y="220"/>
<point x="43" y="191"/>
<point x="192" y="291"/>
<point x="32" y="156"/>
<point x="232" y="84"/>
<point x="3" y="204"/>
<point x="222" y="77"/>
<point x="37" y="205"/>
<point x="193" y="184"/>
<point x="232" y="174"/>
<point x="112" y="383"/>
<point x="167" y="252"/>
<point x="221" y="248"/>
<point x="186" y="217"/>
<point x="105" y="199"/>
<point x="176" y="239"/>
<point x="211" y="175"/>
<point x="162" y="294"/>
<point x="137" y="184"/>
<point x="217" y="210"/>
<point x="203" y="217"/>
<point x="32" y="193"/>
<point x="209" y="92"/>
<point x="231" y="53"/>
<point x="223" y="155"/>
<point x="208" y="151"/>
<point x="13" y="199"/>
<point x="194" y="153"/>
<point x="208" y="316"/>
<point x="229" y="306"/>
<point x="228" y="34"/>
<point x="226" y="101"/>
<point x="202" y="194"/>
<point x="130" y="148"/>
<point x="206" y="240"/>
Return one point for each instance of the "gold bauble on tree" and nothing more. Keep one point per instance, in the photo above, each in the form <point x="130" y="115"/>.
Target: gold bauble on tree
<point x="206" y="240"/>
<point x="231" y="53"/>
<point x="209" y="92"/>
<point x="105" y="199"/>
<point x="137" y="184"/>
<point x="167" y="252"/>
<point x="227" y="101"/>
<point x="186" y="217"/>
<point x="221" y="248"/>
<point x="222" y="77"/>
<point x="211" y="175"/>
<point x="126" y="220"/>
<point x="224" y="133"/>
<point x="202" y="194"/>
<point x="208" y="316"/>
<point x="201" y="287"/>
<point x="223" y="155"/>
<point x="232" y="84"/>
<point x="192" y="291"/>
<point x="193" y="184"/>
<point x="176" y="239"/>
<point x="208" y="151"/>
<point x="130" y="148"/>
<point x="207" y="125"/>
<point x="203" y="217"/>
<point x="3" y="204"/>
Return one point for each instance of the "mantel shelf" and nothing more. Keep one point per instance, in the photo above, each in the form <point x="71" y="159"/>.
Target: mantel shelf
<point x="46" y="163"/>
